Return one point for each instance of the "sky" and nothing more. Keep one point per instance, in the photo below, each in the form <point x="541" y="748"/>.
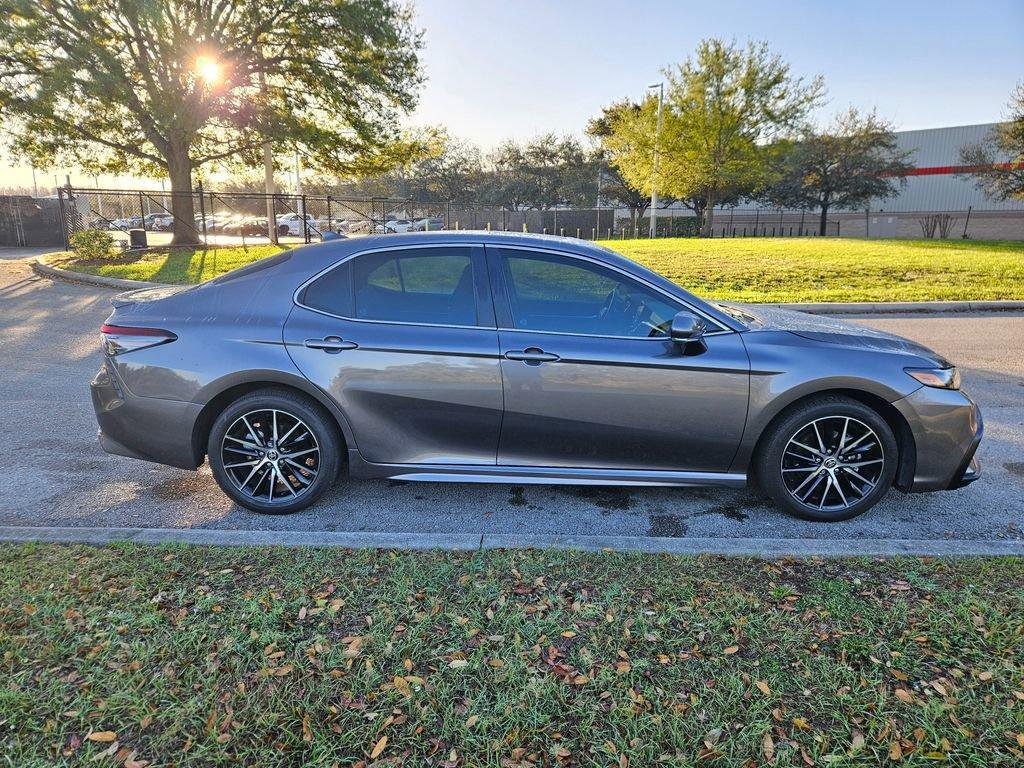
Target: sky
<point x="501" y="69"/>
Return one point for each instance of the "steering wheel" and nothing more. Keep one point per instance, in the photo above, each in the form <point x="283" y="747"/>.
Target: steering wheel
<point x="610" y="301"/>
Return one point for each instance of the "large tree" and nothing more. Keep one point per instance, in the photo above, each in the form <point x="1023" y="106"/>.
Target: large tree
<point x="545" y="172"/>
<point x="849" y="163"/>
<point x="724" y="108"/>
<point x="451" y="170"/>
<point x="163" y="87"/>
<point x="997" y="163"/>
<point x="614" y="186"/>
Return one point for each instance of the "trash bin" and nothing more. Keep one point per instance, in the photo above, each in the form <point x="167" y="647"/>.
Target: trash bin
<point x="137" y="239"/>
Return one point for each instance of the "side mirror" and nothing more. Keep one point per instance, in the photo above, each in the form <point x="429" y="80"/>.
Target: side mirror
<point x="687" y="328"/>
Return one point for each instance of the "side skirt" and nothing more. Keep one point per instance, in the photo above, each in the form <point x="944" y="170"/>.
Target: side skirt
<point x="477" y="473"/>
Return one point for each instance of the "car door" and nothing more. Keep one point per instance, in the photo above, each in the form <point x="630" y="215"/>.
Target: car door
<point x="404" y="341"/>
<point x="592" y="380"/>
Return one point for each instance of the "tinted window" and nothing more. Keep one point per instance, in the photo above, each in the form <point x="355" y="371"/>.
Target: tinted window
<point x="426" y="285"/>
<point x="567" y="295"/>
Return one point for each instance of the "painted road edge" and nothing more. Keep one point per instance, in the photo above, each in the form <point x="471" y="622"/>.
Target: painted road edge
<point x="41" y="267"/>
<point x="744" y="547"/>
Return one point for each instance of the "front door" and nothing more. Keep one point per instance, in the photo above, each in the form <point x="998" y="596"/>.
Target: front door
<point x="403" y="339"/>
<point x="592" y="380"/>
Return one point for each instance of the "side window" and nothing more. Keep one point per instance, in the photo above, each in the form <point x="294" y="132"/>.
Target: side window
<point x="421" y="285"/>
<point x="566" y="295"/>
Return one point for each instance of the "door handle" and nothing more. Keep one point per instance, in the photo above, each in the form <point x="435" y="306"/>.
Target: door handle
<point x="532" y="355"/>
<point x="330" y="344"/>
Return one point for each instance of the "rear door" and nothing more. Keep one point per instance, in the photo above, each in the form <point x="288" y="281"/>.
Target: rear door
<point x="404" y="340"/>
<point x="592" y="380"/>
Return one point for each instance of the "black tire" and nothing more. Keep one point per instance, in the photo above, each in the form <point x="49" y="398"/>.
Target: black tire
<point x="322" y="450"/>
<point x="778" y="461"/>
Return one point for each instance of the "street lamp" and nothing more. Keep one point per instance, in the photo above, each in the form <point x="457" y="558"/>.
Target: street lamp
<point x="654" y="176"/>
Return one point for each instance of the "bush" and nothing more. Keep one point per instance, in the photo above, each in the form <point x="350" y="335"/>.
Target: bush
<point x="93" y="244"/>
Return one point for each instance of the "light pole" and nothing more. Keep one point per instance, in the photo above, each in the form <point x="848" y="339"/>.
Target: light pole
<point x="654" y="176"/>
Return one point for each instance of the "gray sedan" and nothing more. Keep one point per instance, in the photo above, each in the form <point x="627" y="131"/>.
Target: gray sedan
<point x="488" y="358"/>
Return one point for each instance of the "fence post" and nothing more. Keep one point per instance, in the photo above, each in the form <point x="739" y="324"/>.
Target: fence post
<point x="64" y="218"/>
<point x="142" y="210"/>
<point x="967" y="221"/>
<point x="524" y="228"/>
<point x="837" y="227"/>
<point x="330" y="223"/>
<point x="577" y="233"/>
<point x="305" y="221"/>
<point x="202" y="208"/>
<point x="757" y="214"/>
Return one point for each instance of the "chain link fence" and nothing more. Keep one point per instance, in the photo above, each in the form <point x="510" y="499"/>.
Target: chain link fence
<point x="147" y="218"/>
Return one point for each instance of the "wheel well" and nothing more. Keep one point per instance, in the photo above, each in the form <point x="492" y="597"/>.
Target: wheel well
<point x="885" y="409"/>
<point x="210" y="412"/>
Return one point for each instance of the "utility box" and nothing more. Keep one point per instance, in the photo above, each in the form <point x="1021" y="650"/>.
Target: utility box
<point x="882" y="226"/>
<point x="137" y="239"/>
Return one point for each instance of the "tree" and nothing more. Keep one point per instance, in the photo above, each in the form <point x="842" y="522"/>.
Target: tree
<point x="451" y="171"/>
<point x="546" y="172"/>
<point x="614" y="186"/>
<point x="997" y="163"/>
<point x="167" y="86"/>
<point x="723" y="109"/>
<point x="848" y="164"/>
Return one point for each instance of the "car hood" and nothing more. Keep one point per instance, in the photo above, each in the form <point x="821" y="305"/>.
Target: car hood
<point x="829" y="330"/>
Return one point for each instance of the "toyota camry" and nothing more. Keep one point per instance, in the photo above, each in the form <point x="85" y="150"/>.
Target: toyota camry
<point x="504" y="358"/>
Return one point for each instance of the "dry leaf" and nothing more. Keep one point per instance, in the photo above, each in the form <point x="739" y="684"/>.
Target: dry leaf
<point x="895" y="751"/>
<point x="457" y="663"/>
<point x="768" y="747"/>
<point x="731" y="650"/>
<point x="102" y="736"/>
<point x="379" y="747"/>
<point x="762" y="686"/>
<point x="904" y="695"/>
<point x="985" y="676"/>
<point x="471" y="721"/>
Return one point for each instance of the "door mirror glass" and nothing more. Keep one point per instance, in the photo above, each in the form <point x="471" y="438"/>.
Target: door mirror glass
<point x="687" y="328"/>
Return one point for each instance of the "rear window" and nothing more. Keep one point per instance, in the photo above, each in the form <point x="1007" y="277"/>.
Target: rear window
<point x="430" y="285"/>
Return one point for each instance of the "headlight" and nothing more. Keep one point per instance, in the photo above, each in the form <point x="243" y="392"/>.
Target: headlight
<point x="941" y="378"/>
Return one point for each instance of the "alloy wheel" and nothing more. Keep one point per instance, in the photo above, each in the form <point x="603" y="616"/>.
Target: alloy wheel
<point x="831" y="463"/>
<point x="270" y="455"/>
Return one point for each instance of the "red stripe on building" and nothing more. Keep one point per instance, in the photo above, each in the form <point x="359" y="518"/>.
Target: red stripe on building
<point x="949" y="170"/>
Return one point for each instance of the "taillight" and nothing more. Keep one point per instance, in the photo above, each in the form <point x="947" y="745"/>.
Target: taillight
<point x="118" y="339"/>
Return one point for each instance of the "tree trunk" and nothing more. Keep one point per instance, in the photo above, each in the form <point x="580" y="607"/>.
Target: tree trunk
<point x="179" y="168"/>
<point x="709" y="216"/>
<point x="823" y="225"/>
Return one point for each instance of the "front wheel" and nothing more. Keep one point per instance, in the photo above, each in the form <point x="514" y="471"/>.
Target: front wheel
<point x="830" y="458"/>
<point x="274" y="451"/>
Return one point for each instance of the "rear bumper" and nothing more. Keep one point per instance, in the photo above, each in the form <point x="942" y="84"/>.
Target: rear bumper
<point x="947" y="428"/>
<point x="147" y="428"/>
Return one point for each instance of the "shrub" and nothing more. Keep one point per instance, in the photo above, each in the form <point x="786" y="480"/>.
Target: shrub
<point x="93" y="244"/>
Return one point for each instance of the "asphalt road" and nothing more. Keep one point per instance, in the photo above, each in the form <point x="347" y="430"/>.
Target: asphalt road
<point x="54" y="472"/>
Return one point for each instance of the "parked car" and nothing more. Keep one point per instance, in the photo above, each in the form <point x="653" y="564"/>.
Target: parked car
<point x="394" y="226"/>
<point x="293" y="223"/>
<point x="251" y="226"/>
<point x="158" y="222"/>
<point x="429" y="224"/>
<point x="128" y="222"/>
<point x="497" y="357"/>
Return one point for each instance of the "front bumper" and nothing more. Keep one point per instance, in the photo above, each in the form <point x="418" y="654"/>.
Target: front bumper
<point x="148" y="428"/>
<point x="947" y="428"/>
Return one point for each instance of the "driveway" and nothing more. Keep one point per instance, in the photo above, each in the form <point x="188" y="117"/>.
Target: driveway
<point x="56" y="475"/>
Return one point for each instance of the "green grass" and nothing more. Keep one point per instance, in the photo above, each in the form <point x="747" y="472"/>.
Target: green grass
<point x="744" y="269"/>
<point x="835" y="269"/>
<point x="197" y="656"/>
<point x="178" y="266"/>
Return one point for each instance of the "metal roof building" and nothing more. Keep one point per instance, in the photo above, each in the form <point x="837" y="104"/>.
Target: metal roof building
<point x="935" y="185"/>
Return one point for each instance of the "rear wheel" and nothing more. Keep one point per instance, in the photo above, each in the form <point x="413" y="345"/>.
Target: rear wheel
<point x="830" y="458"/>
<point x="274" y="451"/>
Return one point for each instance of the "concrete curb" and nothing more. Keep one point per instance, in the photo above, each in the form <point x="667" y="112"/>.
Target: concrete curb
<point x="40" y="266"/>
<point x="766" y="548"/>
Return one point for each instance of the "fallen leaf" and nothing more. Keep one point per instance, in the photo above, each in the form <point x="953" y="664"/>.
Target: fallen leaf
<point x="457" y="663"/>
<point x="102" y="736"/>
<point x="731" y="650"/>
<point x="904" y="695"/>
<point x="985" y="676"/>
<point x="472" y="720"/>
<point x="895" y="751"/>
<point x="378" y="747"/>
<point x="762" y="686"/>
<point x="768" y="747"/>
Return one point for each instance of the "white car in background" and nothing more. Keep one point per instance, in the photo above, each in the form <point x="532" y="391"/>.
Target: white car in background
<point x="293" y="222"/>
<point x="395" y="226"/>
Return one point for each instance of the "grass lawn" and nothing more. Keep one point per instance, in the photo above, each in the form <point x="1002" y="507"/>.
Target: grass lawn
<point x="179" y="266"/>
<point x="745" y="269"/>
<point x="835" y="269"/>
<point x="197" y="656"/>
